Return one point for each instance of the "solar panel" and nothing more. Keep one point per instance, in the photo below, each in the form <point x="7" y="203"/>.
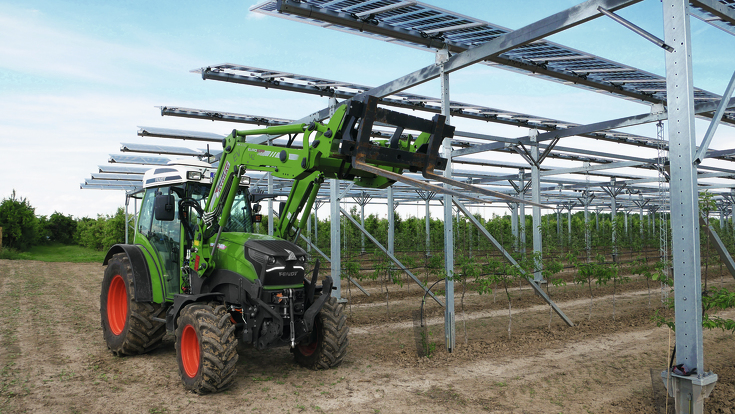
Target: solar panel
<point x="179" y="133"/>
<point x="121" y="169"/>
<point x="222" y="116"/>
<point x="427" y="27"/>
<point x="138" y="159"/>
<point x="718" y="13"/>
<point x="117" y="177"/>
<point x="159" y="149"/>
<point x="269" y="121"/>
<point x="114" y="182"/>
<point x="128" y="188"/>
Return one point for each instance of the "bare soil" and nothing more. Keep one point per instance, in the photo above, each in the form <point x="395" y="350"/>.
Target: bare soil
<point x="53" y="357"/>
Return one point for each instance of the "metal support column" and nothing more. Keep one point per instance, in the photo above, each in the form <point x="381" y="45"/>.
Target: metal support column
<point x="640" y="203"/>
<point x="586" y="200"/>
<point x="514" y="224"/>
<point x="362" y="200"/>
<point x="569" y="206"/>
<point x="391" y="223"/>
<point x="558" y="210"/>
<point x="720" y="209"/>
<point x="587" y="232"/>
<point x="614" y="225"/>
<point x="428" y="228"/>
<point x="127" y="201"/>
<point x="427" y="196"/>
<point x="335" y="228"/>
<point x="536" y="198"/>
<point x="449" y="332"/>
<point x="651" y="218"/>
<point x="688" y="392"/>
<point x="522" y="208"/>
<point x="335" y="237"/>
<point x="614" y="190"/>
<point x="317" y="204"/>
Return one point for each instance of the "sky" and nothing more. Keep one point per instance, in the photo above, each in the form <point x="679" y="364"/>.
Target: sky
<point x="77" y="78"/>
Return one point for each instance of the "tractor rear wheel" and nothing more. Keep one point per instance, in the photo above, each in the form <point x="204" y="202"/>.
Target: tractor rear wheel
<point x="327" y="345"/>
<point x="126" y="324"/>
<point x="206" y="348"/>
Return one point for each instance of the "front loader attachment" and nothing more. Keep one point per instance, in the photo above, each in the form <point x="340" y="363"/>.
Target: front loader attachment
<point x="423" y="155"/>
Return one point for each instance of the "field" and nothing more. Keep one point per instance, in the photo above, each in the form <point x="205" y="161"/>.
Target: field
<point x="53" y="358"/>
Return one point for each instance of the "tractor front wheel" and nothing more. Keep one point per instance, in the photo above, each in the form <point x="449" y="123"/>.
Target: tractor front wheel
<point x="206" y="348"/>
<point x="126" y="324"/>
<point x="327" y="345"/>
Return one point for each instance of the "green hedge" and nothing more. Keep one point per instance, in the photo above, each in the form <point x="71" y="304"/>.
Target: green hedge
<point x="22" y="229"/>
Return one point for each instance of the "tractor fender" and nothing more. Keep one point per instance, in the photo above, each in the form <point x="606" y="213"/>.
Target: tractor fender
<point x="230" y="283"/>
<point x="141" y="274"/>
<point x="182" y="300"/>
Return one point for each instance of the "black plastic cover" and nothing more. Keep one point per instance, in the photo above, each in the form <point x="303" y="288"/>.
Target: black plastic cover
<point x="164" y="207"/>
<point x="286" y="267"/>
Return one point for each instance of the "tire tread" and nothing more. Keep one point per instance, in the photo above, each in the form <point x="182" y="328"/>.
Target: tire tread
<point x="218" y="347"/>
<point x="143" y="333"/>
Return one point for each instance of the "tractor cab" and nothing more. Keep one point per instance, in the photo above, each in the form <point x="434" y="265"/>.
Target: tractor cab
<point x="161" y="224"/>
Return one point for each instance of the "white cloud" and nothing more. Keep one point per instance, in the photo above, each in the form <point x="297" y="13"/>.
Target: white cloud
<point x="34" y="44"/>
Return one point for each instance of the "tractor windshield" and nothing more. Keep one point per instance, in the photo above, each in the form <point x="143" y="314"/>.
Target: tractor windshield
<point x="241" y="215"/>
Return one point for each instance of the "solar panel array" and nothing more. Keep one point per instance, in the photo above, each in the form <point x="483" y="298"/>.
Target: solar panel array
<point x="427" y="27"/>
<point x="274" y="79"/>
<point x="718" y="13"/>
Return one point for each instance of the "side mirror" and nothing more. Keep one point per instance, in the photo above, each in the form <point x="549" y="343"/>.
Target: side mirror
<point x="164" y="207"/>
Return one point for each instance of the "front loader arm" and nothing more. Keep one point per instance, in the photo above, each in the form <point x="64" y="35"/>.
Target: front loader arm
<point x="238" y="157"/>
<point x="340" y="149"/>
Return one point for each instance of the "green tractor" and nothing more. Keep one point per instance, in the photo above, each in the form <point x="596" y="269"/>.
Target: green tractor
<point x="197" y="269"/>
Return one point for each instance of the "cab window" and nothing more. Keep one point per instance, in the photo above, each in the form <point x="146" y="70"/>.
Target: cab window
<point x="240" y="219"/>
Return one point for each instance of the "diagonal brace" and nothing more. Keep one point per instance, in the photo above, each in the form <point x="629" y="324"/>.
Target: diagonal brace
<point x="505" y="253"/>
<point x="702" y="151"/>
<point x="646" y="35"/>
<point x="393" y="258"/>
<point x="547" y="151"/>
<point x="719" y="246"/>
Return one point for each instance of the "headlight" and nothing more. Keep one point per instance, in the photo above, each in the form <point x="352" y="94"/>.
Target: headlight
<point x="193" y="175"/>
<point x="271" y="260"/>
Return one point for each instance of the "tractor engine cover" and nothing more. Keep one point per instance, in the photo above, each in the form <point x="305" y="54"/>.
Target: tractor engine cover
<point x="277" y="262"/>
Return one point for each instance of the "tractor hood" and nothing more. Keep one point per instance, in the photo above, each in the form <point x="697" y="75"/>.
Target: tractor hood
<point x="278" y="263"/>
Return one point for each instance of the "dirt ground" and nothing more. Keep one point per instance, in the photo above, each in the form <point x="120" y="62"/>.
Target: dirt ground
<point x="53" y="358"/>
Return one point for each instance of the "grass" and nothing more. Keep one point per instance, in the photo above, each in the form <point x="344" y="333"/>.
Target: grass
<point x="55" y="252"/>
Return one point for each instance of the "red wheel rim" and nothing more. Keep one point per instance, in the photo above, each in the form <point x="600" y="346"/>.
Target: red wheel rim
<point x="117" y="305"/>
<point x="190" y="351"/>
<point x="307" y="350"/>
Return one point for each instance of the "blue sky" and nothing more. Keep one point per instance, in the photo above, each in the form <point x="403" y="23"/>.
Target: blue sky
<point x="78" y="77"/>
